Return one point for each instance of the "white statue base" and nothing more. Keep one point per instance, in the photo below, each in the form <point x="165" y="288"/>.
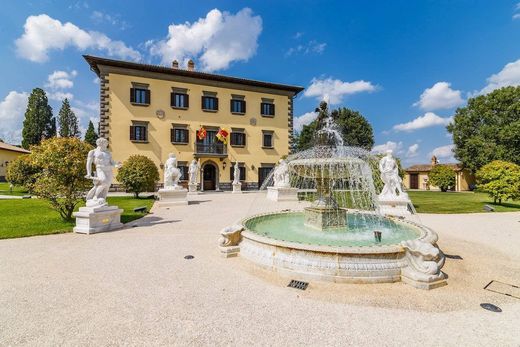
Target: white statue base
<point x="192" y="189"/>
<point x="394" y="206"/>
<point x="91" y="220"/>
<point x="237" y="188"/>
<point x="172" y="197"/>
<point x="282" y="194"/>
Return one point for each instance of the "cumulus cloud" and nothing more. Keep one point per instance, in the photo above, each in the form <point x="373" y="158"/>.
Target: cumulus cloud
<point x="412" y="151"/>
<point x="395" y="147"/>
<point x="439" y="96"/>
<point x="508" y="76"/>
<point x="304" y="119"/>
<point x="59" y="95"/>
<point x="61" y="79"/>
<point x="216" y="40"/>
<point x="333" y="90"/>
<point x="429" y="119"/>
<point x="12" y="110"/>
<point x="444" y="152"/>
<point x="43" y="34"/>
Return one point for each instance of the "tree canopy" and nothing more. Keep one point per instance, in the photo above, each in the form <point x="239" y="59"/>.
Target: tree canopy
<point x="67" y="121"/>
<point x="488" y="129"/>
<point x="39" y="123"/>
<point x="442" y="176"/>
<point x="500" y="179"/>
<point x="355" y="130"/>
<point x="138" y="174"/>
<point x="90" y="135"/>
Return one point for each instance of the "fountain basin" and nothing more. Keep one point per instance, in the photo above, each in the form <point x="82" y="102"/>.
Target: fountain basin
<point x="351" y="260"/>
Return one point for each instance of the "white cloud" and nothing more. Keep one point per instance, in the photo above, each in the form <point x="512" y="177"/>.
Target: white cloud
<point x="389" y="145"/>
<point x="43" y="34"/>
<point x="412" y="151"/>
<point x="61" y="79"/>
<point x="333" y="91"/>
<point x="516" y="16"/>
<point x="439" y="96"/>
<point x="216" y="40"/>
<point x="99" y="17"/>
<point x="304" y="119"/>
<point x="444" y="152"/>
<point x="59" y="96"/>
<point x="12" y="110"/>
<point x="508" y="76"/>
<point x="312" y="46"/>
<point x="429" y="119"/>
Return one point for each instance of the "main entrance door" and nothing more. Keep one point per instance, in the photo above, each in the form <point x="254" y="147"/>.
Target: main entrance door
<point x="414" y="181"/>
<point x="209" y="177"/>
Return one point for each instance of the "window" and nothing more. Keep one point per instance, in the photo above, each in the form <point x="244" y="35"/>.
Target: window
<point x="140" y="96"/>
<point x="267" y="139"/>
<point x="139" y="133"/>
<point x="209" y="103"/>
<point x="183" y="167"/>
<point x="242" y="169"/>
<point x="238" y="106"/>
<point x="180" y="100"/>
<point x="180" y="134"/>
<point x="238" y="138"/>
<point x="267" y="109"/>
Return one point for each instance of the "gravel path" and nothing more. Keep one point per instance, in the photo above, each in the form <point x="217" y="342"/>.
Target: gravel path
<point x="134" y="287"/>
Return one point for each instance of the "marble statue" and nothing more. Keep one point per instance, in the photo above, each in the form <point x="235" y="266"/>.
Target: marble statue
<point x="229" y="240"/>
<point x="193" y="171"/>
<point x="172" y="174"/>
<point x="424" y="262"/>
<point x="281" y="175"/>
<point x="102" y="179"/>
<point x="236" y="174"/>
<point x="390" y="177"/>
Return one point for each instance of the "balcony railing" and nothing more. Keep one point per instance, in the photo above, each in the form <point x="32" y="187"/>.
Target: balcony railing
<point x="214" y="149"/>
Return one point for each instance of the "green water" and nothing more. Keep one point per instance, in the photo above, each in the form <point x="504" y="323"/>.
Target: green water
<point x="358" y="232"/>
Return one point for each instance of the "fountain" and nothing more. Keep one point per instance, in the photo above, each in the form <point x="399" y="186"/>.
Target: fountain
<point x="340" y="234"/>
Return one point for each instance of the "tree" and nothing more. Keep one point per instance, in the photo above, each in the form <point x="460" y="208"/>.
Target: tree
<point x="442" y="176"/>
<point x="90" y="135"/>
<point x="39" y="123"/>
<point x="488" y="129"/>
<point x="355" y="130"/>
<point x="500" y="179"/>
<point x="67" y="121"/>
<point x="138" y="174"/>
<point x="21" y="172"/>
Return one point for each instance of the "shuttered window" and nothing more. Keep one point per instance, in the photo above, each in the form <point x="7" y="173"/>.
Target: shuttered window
<point x="140" y="96"/>
<point x="267" y="109"/>
<point x="139" y="133"/>
<point x="209" y="103"/>
<point x="180" y="135"/>
<point x="238" y="139"/>
<point x="238" y="106"/>
<point x="180" y="100"/>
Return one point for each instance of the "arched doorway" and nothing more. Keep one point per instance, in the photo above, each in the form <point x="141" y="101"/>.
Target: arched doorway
<point x="209" y="175"/>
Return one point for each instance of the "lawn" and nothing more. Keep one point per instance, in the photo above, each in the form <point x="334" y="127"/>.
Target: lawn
<point x="17" y="190"/>
<point x="450" y="202"/>
<point x="29" y="217"/>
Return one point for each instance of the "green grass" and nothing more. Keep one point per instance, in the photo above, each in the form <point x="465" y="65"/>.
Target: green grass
<point x="450" y="202"/>
<point x="29" y="217"/>
<point x="17" y="190"/>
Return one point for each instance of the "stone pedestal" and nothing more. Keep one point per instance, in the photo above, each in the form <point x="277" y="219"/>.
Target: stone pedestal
<point x="394" y="206"/>
<point x="237" y="188"/>
<point x="90" y="220"/>
<point x="172" y="197"/>
<point x="282" y="194"/>
<point x="192" y="189"/>
<point x="324" y="218"/>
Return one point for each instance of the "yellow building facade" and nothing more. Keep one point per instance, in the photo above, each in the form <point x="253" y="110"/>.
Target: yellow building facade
<point x="155" y="110"/>
<point x="8" y="153"/>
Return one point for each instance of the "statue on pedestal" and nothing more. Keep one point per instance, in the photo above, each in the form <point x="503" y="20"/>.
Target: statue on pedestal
<point x="102" y="179"/>
<point x="281" y="175"/>
<point x="193" y="171"/>
<point x="172" y="174"/>
<point x="390" y="177"/>
<point x="236" y="174"/>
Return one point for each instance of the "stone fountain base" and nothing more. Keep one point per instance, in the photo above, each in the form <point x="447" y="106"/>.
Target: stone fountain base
<point x="324" y="218"/>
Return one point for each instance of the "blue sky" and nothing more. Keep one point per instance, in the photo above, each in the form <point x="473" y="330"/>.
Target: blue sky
<point x="405" y="65"/>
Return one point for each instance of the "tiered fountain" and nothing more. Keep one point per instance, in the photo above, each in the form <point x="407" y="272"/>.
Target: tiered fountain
<point x="340" y="235"/>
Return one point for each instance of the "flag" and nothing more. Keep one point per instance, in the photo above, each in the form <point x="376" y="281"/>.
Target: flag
<point x="201" y="133"/>
<point x="222" y="135"/>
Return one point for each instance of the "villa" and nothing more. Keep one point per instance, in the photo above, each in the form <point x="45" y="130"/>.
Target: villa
<point x="156" y="110"/>
<point x="416" y="177"/>
<point x="7" y="154"/>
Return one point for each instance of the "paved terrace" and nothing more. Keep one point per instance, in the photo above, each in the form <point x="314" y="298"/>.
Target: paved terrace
<point x="134" y="287"/>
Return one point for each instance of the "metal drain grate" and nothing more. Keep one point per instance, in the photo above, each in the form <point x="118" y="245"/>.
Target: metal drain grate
<point x="189" y="257"/>
<point x="490" y="307"/>
<point x="503" y="288"/>
<point x="298" y="284"/>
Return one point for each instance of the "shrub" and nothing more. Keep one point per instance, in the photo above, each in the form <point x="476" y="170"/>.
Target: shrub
<point x="500" y="179"/>
<point x="20" y="172"/>
<point x="442" y="176"/>
<point x="138" y="174"/>
<point x="60" y="164"/>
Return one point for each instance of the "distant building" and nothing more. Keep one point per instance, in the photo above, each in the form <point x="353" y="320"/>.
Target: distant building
<point x="416" y="177"/>
<point x="7" y="154"/>
<point x="155" y="110"/>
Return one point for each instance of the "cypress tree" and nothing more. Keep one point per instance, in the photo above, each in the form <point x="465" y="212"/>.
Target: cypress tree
<point x="68" y="121"/>
<point x="90" y="134"/>
<point x="39" y="123"/>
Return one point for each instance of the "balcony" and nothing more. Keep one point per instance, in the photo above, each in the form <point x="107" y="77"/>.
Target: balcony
<point x="217" y="149"/>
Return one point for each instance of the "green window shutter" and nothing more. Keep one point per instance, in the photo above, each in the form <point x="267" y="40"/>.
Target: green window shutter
<point x="132" y="95"/>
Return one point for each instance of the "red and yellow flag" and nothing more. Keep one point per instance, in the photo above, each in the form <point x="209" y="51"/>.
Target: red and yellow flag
<point x="201" y="133"/>
<point x="222" y="135"/>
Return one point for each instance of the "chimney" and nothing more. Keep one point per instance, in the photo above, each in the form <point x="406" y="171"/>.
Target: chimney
<point x="191" y="65"/>
<point x="175" y="64"/>
<point x="434" y="161"/>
